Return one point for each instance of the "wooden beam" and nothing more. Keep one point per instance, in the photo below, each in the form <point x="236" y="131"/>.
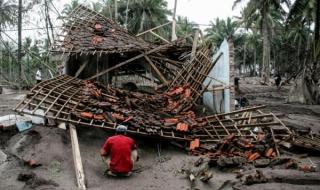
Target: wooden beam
<point x="161" y="77"/>
<point x="173" y="62"/>
<point x="77" y="158"/>
<point x="195" y="43"/>
<point x="157" y="35"/>
<point x="129" y="61"/>
<point x="81" y="68"/>
<point x="174" y="22"/>
<point x="153" y="29"/>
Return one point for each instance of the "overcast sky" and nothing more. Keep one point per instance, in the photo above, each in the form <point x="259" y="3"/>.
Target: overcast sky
<point x="203" y="11"/>
<point x="199" y="11"/>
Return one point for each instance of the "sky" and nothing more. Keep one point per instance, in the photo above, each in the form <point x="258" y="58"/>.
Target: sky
<point x="198" y="11"/>
<point x="204" y="11"/>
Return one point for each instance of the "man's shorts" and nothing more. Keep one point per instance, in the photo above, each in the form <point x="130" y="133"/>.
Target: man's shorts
<point x="134" y="156"/>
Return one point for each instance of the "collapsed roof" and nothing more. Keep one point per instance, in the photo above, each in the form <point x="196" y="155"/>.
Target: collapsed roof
<point x="86" y="31"/>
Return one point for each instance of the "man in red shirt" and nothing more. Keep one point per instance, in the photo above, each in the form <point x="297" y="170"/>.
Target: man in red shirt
<point x="119" y="153"/>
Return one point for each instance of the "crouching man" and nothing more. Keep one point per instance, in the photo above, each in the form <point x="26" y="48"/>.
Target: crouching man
<point x="119" y="152"/>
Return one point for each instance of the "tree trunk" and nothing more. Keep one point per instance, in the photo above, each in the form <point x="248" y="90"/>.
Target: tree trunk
<point x="127" y="9"/>
<point x="20" y="38"/>
<point x="315" y="69"/>
<point x="266" y="48"/>
<point x="142" y="22"/>
<point x="306" y="90"/>
<point x="255" y="61"/>
<point x="116" y="11"/>
<point x="49" y="19"/>
<point x="47" y="24"/>
<point x="244" y="60"/>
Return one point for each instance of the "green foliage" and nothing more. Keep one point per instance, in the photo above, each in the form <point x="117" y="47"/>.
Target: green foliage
<point x="185" y="29"/>
<point x="221" y="29"/>
<point x="7" y="13"/>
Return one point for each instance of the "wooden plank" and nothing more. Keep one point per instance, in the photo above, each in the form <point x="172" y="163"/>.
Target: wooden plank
<point x="153" y="29"/>
<point x="129" y="61"/>
<point x="77" y="158"/>
<point x="283" y="125"/>
<point x="275" y="142"/>
<point x="81" y="68"/>
<point x="217" y="118"/>
<point x="160" y="37"/>
<point x="161" y="77"/>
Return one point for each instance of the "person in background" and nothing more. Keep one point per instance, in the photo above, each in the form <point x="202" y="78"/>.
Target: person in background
<point x="278" y="80"/>
<point x="119" y="152"/>
<point x="38" y="76"/>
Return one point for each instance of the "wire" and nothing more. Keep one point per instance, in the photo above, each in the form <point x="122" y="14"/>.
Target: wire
<point x="24" y="29"/>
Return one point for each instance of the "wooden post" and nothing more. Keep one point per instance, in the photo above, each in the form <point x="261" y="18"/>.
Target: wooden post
<point x="195" y="43"/>
<point x="77" y="158"/>
<point x="174" y="22"/>
<point x="232" y="74"/>
<point x="81" y="68"/>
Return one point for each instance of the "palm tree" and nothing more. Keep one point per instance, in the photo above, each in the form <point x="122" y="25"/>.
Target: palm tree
<point x="67" y="8"/>
<point x="253" y="41"/>
<point x="144" y="14"/>
<point x="263" y="9"/>
<point x="309" y="11"/>
<point x="7" y="13"/>
<point x="185" y="28"/>
<point x="221" y="29"/>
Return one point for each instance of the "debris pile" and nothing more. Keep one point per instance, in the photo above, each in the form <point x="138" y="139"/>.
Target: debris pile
<point x="247" y="133"/>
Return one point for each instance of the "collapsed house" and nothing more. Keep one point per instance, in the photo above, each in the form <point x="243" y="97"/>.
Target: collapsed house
<point x="100" y="56"/>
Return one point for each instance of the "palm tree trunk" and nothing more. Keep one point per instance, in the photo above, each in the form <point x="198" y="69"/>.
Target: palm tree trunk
<point x="244" y="59"/>
<point x="127" y="9"/>
<point x="47" y="25"/>
<point x="255" y="61"/>
<point x="299" y="50"/>
<point x="266" y="48"/>
<point x="20" y="38"/>
<point x="116" y="11"/>
<point x="315" y="75"/>
<point x="49" y="19"/>
<point x="142" y="21"/>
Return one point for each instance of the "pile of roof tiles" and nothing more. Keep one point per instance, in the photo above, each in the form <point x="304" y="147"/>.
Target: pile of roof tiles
<point x="143" y="111"/>
<point x="86" y="31"/>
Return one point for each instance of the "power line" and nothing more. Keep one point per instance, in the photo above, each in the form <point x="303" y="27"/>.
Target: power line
<point x="24" y="29"/>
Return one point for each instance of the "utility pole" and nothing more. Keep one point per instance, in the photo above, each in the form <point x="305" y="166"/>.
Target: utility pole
<point x="19" y="38"/>
<point x="116" y="11"/>
<point x="174" y="22"/>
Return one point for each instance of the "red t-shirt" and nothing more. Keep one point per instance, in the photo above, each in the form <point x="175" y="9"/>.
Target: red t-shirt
<point x="119" y="148"/>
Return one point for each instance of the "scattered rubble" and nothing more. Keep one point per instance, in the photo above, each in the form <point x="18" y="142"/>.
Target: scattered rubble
<point x="258" y="177"/>
<point x="33" y="181"/>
